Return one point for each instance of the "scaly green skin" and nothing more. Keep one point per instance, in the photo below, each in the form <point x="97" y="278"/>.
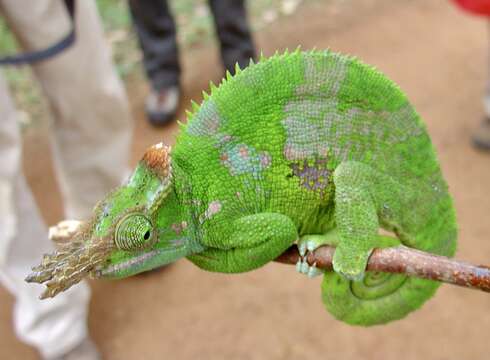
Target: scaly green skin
<point x="300" y="144"/>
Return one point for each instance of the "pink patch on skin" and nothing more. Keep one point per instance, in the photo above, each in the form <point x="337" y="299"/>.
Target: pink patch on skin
<point x="177" y="228"/>
<point x="213" y="208"/>
<point x="243" y="152"/>
<point x="324" y="151"/>
<point x="265" y="160"/>
<point x="288" y="152"/>
<point x="291" y="153"/>
<point x="214" y="124"/>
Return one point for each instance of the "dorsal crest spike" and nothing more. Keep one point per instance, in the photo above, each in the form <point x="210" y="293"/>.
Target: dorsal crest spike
<point x="298" y="49"/>
<point x="237" y="68"/>
<point x="157" y="159"/>
<point x="195" y="105"/>
<point x="182" y="126"/>
<point x="212" y="87"/>
<point x="228" y="75"/>
<point x="262" y="57"/>
<point x="205" y="95"/>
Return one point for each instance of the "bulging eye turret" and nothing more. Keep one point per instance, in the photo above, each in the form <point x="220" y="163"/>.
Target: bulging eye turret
<point x="134" y="232"/>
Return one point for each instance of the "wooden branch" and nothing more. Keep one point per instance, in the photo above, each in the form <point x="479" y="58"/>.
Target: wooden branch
<point x="404" y="260"/>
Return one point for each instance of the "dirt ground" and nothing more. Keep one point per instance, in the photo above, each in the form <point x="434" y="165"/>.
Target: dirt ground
<point x="437" y="55"/>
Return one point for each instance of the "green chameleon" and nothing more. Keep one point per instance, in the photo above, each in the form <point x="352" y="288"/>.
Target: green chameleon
<point x="309" y="147"/>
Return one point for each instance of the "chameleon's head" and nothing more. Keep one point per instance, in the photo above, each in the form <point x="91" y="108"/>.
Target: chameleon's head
<point x="127" y="233"/>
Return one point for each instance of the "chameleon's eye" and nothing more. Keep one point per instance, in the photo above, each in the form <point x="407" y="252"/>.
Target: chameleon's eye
<point x="134" y="232"/>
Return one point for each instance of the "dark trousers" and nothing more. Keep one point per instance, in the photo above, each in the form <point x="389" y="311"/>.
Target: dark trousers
<point x="157" y="35"/>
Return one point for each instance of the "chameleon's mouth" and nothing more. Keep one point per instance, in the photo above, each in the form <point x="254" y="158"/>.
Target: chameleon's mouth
<point x="142" y="262"/>
<point x="133" y="262"/>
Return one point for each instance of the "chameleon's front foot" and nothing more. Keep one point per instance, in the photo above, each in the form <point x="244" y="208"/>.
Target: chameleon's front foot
<point x="307" y="244"/>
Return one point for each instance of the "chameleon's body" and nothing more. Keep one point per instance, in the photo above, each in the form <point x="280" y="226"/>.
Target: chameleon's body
<point x="300" y="144"/>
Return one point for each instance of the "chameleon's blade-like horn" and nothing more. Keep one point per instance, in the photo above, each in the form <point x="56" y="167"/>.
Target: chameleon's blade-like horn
<point x="67" y="266"/>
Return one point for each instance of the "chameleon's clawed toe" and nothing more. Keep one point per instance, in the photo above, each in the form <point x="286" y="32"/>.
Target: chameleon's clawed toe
<point x="302" y="266"/>
<point x="302" y="247"/>
<point x="305" y="267"/>
<point x="311" y="245"/>
<point x="314" y="271"/>
<point x="298" y="265"/>
<point x="306" y="245"/>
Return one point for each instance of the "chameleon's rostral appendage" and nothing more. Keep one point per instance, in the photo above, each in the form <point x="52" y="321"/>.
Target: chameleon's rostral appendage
<point x="72" y="262"/>
<point x="255" y="240"/>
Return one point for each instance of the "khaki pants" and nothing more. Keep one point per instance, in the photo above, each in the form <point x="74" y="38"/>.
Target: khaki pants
<point x="90" y="142"/>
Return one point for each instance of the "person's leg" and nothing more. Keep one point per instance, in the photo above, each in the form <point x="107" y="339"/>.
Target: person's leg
<point x="481" y="137"/>
<point x="156" y="32"/>
<point x="90" y="146"/>
<point x="230" y="19"/>
<point x="54" y="326"/>
<point x="91" y="125"/>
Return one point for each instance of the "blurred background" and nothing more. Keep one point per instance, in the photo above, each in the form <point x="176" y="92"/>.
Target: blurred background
<point x="438" y="56"/>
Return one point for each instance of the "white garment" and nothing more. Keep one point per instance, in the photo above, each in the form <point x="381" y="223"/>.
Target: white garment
<point x="90" y="143"/>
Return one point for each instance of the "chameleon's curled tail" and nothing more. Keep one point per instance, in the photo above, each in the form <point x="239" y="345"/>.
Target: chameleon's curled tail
<point x="383" y="297"/>
<point x="379" y="298"/>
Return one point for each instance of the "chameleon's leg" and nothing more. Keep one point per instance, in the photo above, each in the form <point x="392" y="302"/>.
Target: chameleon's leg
<point x="255" y="240"/>
<point x="358" y="190"/>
